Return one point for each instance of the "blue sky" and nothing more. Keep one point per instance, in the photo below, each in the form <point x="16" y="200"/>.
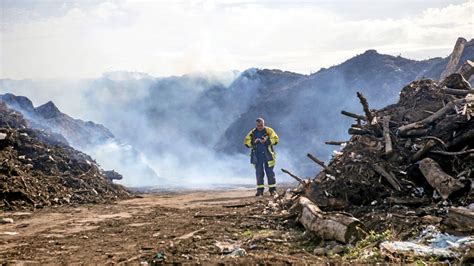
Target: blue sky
<point x="79" y="39"/>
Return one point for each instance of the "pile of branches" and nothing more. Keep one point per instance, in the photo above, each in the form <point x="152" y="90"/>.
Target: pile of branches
<point x="414" y="158"/>
<point x="38" y="169"/>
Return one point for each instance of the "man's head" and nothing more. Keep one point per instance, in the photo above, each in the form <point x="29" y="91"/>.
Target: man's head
<point x="260" y="123"/>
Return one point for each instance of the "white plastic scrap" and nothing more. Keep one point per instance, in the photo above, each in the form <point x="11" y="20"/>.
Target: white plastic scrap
<point x="3" y="136"/>
<point x="409" y="248"/>
<point x="431" y="243"/>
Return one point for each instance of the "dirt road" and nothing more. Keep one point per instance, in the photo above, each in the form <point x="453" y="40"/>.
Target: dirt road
<point x="200" y="226"/>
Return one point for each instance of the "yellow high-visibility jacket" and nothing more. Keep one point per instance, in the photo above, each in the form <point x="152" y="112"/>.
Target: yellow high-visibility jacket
<point x="272" y="137"/>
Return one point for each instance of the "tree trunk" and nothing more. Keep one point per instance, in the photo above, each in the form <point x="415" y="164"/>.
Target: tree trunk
<point x="454" y="58"/>
<point x="438" y="179"/>
<point x="330" y="226"/>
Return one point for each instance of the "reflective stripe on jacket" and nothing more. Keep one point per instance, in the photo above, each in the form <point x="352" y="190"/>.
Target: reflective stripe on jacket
<point x="272" y="137"/>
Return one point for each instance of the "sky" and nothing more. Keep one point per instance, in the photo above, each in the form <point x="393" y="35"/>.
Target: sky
<point x="83" y="39"/>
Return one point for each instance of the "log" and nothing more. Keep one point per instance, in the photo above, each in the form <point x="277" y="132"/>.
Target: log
<point x="438" y="179"/>
<point x="386" y="135"/>
<point x="349" y="114"/>
<point x="467" y="69"/>
<point x="300" y="180"/>
<point x="358" y="131"/>
<point x="336" y="143"/>
<point x="461" y="219"/>
<point x="430" y="119"/>
<point x="389" y="176"/>
<point x="454" y="153"/>
<point x="457" y="92"/>
<point x="423" y="151"/>
<point x="454" y="58"/>
<point x="365" y="106"/>
<point x="341" y="227"/>
<point x="321" y="163"/>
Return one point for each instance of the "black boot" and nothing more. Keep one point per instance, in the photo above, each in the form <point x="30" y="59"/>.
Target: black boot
<point x="259" y="193"/>
<point x="272" y="191"/>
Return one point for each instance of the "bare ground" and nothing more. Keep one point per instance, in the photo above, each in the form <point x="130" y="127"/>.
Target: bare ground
<point x="168" y="227"/>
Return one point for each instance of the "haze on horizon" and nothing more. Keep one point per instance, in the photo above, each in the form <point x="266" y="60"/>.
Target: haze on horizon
<point x="83" y="39"/>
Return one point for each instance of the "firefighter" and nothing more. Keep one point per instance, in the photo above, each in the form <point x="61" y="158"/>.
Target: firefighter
<point x="261" y="140"/>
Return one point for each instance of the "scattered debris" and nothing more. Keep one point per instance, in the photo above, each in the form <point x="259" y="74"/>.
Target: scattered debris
<point x="6" y="220"/>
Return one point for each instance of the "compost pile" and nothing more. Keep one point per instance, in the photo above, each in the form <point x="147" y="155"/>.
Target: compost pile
<point x="39" y="169"/>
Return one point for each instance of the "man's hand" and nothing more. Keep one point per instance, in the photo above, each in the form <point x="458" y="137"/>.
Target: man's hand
<point x="263" y="140"/>
<point x="257" y="140"/>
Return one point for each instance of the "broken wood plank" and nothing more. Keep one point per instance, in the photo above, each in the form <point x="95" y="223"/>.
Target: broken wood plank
<point x="189" y="235"/>
<point x="356" y="116"/>
<point x="386" y="135"/>
<point x="329" y="226"/>
<point x="438" y="179"/>
<point x="321" y="163"/>
<point x="389" y="176"/>
<point x="430" y="119"/>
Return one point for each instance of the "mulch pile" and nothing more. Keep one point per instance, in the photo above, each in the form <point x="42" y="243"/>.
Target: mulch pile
<point x="38" y="169"/>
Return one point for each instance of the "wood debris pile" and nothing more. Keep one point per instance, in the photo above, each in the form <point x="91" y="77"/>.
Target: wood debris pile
<point x="408" y="164"/>
<point x="38" y="170"/>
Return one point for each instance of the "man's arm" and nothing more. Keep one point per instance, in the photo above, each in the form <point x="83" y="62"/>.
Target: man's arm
<point x="272" y="137"/>
<point x="248" y="139"/>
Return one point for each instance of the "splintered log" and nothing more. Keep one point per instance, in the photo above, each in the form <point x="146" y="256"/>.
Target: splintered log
<point x="467" y="69"/>
<point x="365" y="106"/>
<point x="358" y="131"/>
<point x="423" y="151"/>
<point x="457" y="92"/>
<point x="454" y="58"/>
<point x="389" y="176"/>
<point x="356" y="116"/>
<point x="461" y="219"/>
<point x="300" y="180"/>
<point x="337" y="143"/>
<point x="329" y="226"/>
<point x="430" y="119"/>
<point x="386" y="135"/>
<point x="438" y="179"/>
<point x="319" y="162"/>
